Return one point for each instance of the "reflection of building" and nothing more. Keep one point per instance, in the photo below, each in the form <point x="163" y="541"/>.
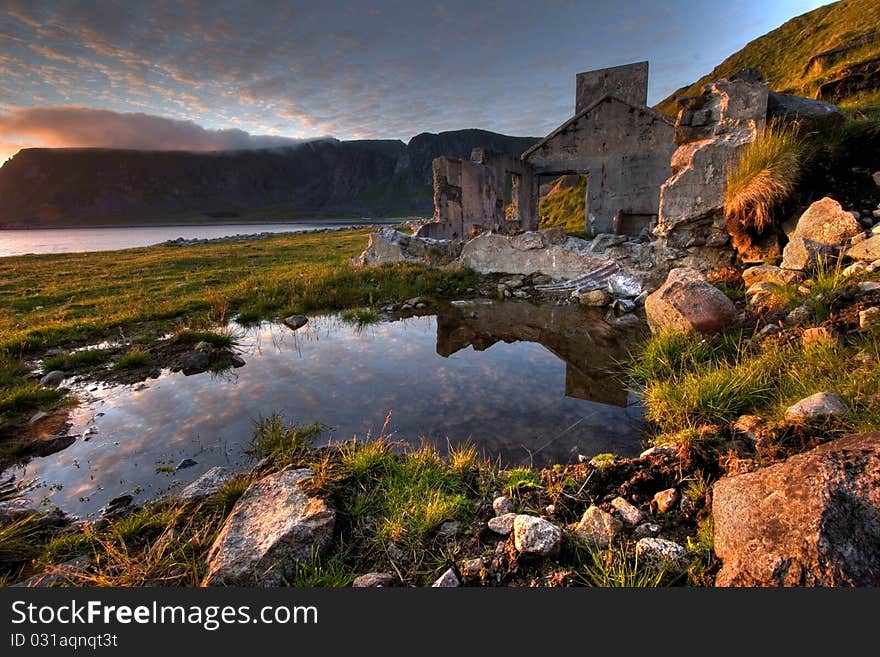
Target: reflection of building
<point x="591" y="351"/>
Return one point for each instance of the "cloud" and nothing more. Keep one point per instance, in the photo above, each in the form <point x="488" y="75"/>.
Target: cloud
<point x="84" y="126"/>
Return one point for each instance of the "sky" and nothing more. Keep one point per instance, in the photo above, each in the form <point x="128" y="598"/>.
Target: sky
<point x="221" y="74"/>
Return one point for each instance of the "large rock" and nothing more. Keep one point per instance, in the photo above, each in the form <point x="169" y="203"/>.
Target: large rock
<point x="823" y="230"/>
<point x="813" y="519"/>
<point x="810" y="113"/>
<point x="272" y="526"/>
<point x="489" y="254"/>
<point x="867" y="250"/>
<point x="598" y="527"/>
<point x="536" y="536"/>
<point x="687" y="302"/>
<point x="390" y="246"/>
<point x="711" y="130"/>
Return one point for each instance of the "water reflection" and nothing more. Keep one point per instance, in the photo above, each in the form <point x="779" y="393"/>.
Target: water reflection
<point x="525" y="383"/>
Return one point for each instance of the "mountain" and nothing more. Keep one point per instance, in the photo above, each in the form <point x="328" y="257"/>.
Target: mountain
<point x="831" y="53"/>
<point x="323" y="178"/>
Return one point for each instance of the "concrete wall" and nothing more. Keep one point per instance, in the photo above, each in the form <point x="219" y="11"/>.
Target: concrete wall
<point x="469" y="196"/>
<point x="624" y="150"/>
<point x="628" y="82"/>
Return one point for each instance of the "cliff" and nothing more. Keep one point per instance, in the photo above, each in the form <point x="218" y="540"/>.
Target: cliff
<point x="88" y="186"/>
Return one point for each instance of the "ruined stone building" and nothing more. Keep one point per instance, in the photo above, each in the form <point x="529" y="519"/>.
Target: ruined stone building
<point x="489" y="192"/>
<point x="623" y="147"/>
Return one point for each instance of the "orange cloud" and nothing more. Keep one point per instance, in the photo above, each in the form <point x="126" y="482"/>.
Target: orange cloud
<point x="84" y="127"/>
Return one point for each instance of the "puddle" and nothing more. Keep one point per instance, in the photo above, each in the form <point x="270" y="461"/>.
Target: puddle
<point x="524" y="383"/>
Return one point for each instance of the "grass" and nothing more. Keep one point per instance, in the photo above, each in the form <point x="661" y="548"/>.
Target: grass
<point x="359" y="316"/>
<point x="691" y="383"/>
<point x="279" y="441"/>
<point x="781" y="55"/>
<point x="76" y="360"/>
<point x="565" y="208"/>
<point x="764" y="178"/>
<point x="134" y="359"/>
<point x="74" y="299"/>
<point x="616" y="566"/>
<point x="223" y="339"/>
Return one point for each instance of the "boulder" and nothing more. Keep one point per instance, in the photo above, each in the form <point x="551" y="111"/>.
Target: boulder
<point x="534" y="536"/>
<point x="390" y="246"/>
<point x="866" y="251"/>
<point x="53" y="379"/>
<point x="812" y="520"/>
<point x="821" y="406"/>
<point x="206" y="485"/>
<point x="821" y="231"/>
<point x="598" y="527"/>
<point x="661" y="553"/>
<point x="687" y="302"/>
<point x="374" y="580"/>
<point x="272" y="526"/>
<point x="771" y="274"/>
<point x="491" y="253"/>
<point x="812" y="114"/>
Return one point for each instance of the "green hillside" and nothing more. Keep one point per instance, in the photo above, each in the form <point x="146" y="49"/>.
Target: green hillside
<point x="832" y="52"/>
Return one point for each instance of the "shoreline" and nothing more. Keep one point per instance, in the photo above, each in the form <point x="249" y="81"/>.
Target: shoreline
<point x="197" y="224"/>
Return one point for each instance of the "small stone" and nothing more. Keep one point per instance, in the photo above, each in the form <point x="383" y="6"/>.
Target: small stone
<point x="36" y="417"/>
<point x="237" y="361"/>
<point x="646" y="529"/>
<point x="660" y="553"/>
<point x="747" y="426"/>
<point x="406" y="307"/>
<point x="53" y="379"/>
<point x="449" y="529"/>
<point x="502" y="524"/>
<point x="869" y="316"/>
<point x="799" y="316"/>
<point x="447" y="580"/>
<point x="374" y="580"/>
<point x="769" y="329"/>
<point x="502" y="505"/>
<point x="623" y="306"/>
<point x="593" y="298"/>
<point x="624" y="286"/>
<point x="771" y="274"/>
<point x="598" y="527"/>
<point x="536" y="536"/>
<point x="550" y="509"/>
<point x="514" y="282"/>
<point x="421" y="305"/>
<point x="630" y="514"/>
<point x="822" y="405"/>
<point x="295" y="322"/>
<point x="855" y="269"/>
<point x="869" y="286"/>
<point x="186" y="463"/>
<point x="818" y="335"/>
<point x="471" y="569"/>
<point x="657" y="451"/>
<point x="665" y="500"/>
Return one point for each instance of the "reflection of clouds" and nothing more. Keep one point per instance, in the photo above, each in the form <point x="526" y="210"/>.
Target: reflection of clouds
<point x="507" y="399"/>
